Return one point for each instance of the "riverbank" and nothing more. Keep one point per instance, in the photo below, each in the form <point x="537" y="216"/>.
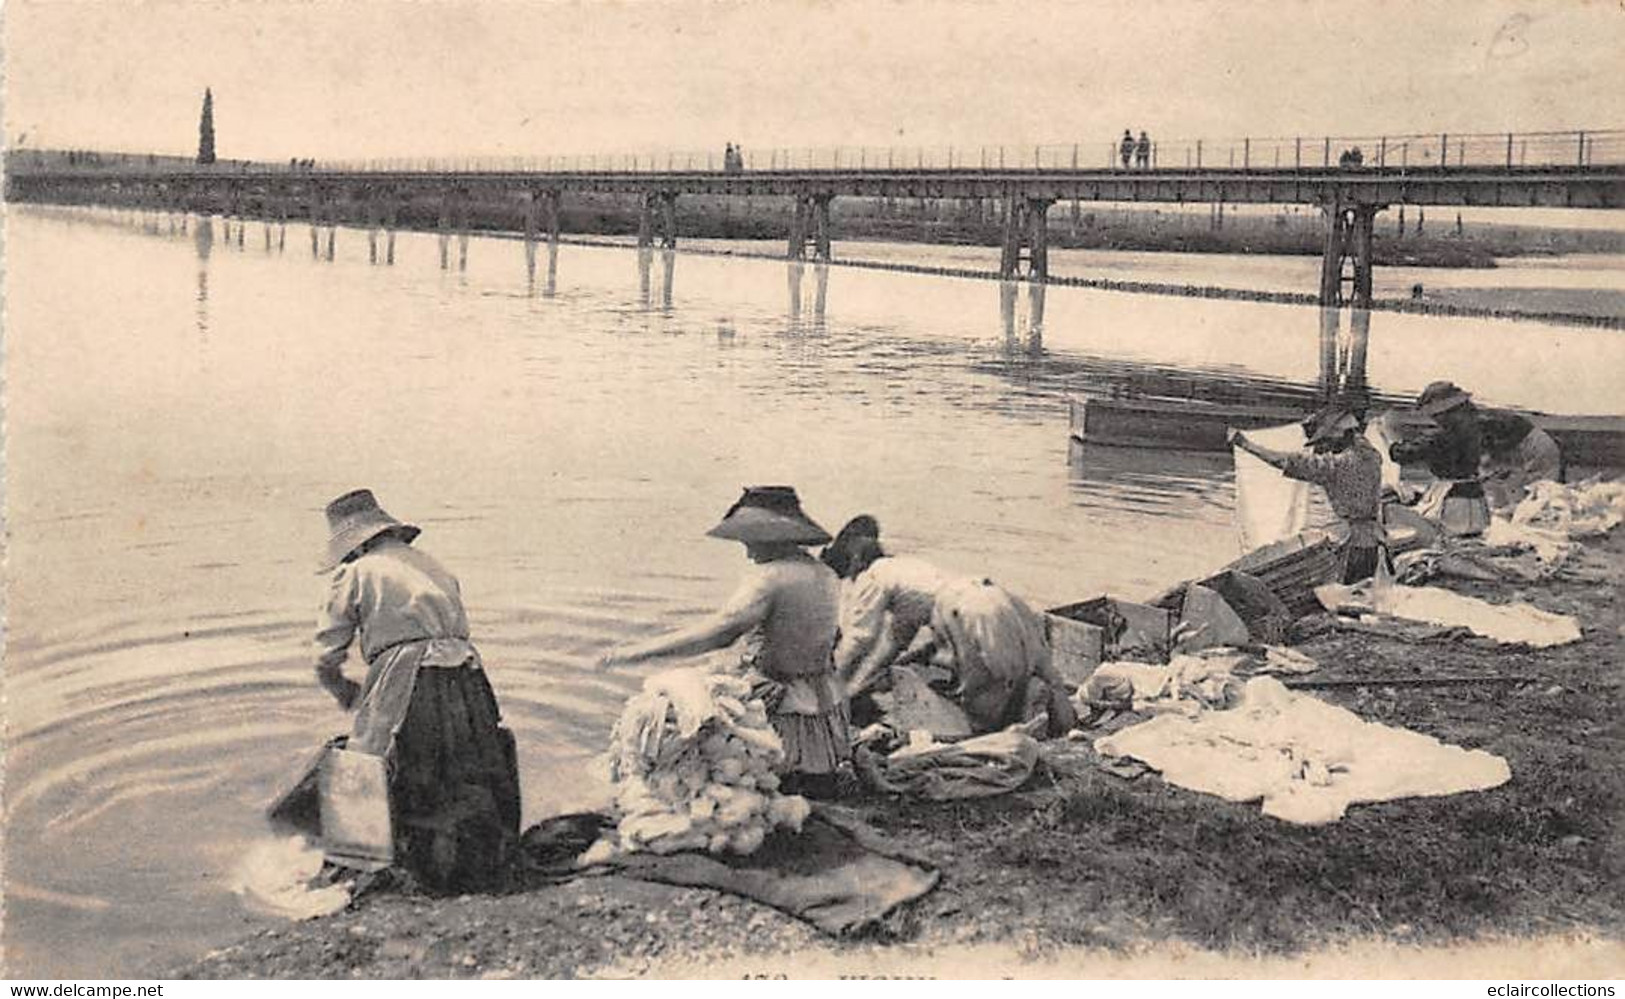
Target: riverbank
<point x="1086" y="866"/>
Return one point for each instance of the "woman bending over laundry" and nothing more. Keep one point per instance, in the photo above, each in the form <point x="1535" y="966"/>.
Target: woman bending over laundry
<point x="900" y="609"/>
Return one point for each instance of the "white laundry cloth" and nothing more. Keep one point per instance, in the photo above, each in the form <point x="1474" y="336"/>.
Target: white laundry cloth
<point x="1377" y="433"/>
<point x="1552" y="547"/>
<point x="1307" y="760"/>
<point x="1269" y="506"/>
<point x="1506" y="623"/>
<point x="1583" y="510"/>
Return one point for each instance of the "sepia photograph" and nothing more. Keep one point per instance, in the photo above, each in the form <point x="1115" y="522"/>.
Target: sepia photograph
<point x="774" y="489"/>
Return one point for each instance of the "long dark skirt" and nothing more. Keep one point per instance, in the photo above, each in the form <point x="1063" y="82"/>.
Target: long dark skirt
<point x="454" y="783"/>
<point x="1360" y="562"/>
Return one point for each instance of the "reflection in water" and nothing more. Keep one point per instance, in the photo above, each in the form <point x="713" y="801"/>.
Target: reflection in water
<point x="668" y="272"/>
<point x="203" y="243"/>
<point x="550" y="286"/>
<point x="795" y="276"/>
<point x="1166" y="483"/>
<point x="1343" y="357"/>
<point x="1023" y="329"/>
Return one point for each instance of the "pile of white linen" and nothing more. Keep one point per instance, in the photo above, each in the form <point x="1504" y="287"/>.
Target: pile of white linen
<point x="692" y="758"/>
<point x="1307" y="760"/>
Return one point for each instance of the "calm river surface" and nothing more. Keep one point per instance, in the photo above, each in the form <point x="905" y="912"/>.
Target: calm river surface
<point x="179" y="409"/>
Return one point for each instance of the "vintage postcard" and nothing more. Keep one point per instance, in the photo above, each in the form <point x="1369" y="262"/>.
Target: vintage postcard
<point x="813" y="489"/>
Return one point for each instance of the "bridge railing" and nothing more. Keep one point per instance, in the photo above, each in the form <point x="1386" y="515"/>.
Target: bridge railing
<point x="1388" y="153"/>
<point x="1399" y="153"/>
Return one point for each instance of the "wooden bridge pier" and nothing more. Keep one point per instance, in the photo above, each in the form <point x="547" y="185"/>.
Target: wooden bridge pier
<point x="810" y="223"/>
<point x="315" y="210"/>
<point x="657" y="216"/>
<point x="454" y="218"/>
<point x="1026" y="238"/>
<point x="374" y="222"/>
<point x="392" y="222"/>
<point x="1348" y="247"/>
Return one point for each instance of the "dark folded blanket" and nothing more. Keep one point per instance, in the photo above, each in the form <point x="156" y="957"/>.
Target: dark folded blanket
<point x="837" y="873"/>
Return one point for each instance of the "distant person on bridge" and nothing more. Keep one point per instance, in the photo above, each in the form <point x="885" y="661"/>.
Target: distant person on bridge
<point x="1126" y="148"/>
<point x="1142" y="151"/>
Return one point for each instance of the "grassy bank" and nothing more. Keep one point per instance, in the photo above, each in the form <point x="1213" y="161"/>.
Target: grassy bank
<point x="1085" y="859"/>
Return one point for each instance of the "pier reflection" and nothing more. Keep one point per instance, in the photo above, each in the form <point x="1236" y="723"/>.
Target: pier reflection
<point x="203" y="244"/>
<point x="646" y="279"/>
<point x="1023" y="327"/>
<point x="804" y="300"/>
<point x="1343" y="356"/>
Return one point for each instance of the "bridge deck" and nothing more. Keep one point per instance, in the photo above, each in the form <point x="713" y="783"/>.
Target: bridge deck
<point x="1544" y="186"/>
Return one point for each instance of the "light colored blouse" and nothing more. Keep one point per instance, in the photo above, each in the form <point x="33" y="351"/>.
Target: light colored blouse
<point x="391" y="595"/>
<point x="791" y="606"/>
<point x="899" y="587"/>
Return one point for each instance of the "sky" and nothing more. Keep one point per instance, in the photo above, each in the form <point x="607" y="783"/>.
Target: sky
<point x="360" y="79"/>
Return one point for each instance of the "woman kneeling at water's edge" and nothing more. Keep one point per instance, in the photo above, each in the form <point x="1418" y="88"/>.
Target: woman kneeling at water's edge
<point x="786" y="607"/>
<point x="425" y="705"/>
<point x="900" y="610"/>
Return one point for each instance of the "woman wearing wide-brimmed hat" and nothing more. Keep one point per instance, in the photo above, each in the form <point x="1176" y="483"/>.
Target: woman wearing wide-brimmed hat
<point x="901" y="609"/>
<point x="1341" y="461"/>
<point x="1453" y="454"/>
<point x="786" y="608"/>
<point x="425" y="704"/>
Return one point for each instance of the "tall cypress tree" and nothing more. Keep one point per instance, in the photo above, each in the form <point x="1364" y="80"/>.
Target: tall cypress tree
<point x="205" y="130"/>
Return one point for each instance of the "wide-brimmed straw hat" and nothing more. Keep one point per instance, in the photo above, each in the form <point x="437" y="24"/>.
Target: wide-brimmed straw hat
<point x="1441" y="397"/>
<point x="355" y="519"/>
<point x="769" y="513"/>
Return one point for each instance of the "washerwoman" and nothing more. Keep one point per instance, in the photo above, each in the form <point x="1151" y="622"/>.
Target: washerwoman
<point x="786" y="607"/>
<point x="1341" y="461"/>
<point x="900" y="609"/>
<point x="1455" y="500"/>
<point x="425" y="705"/>
<point x="1517" y="454"/>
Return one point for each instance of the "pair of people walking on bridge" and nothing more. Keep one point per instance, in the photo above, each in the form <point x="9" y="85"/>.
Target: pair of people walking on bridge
<point x="1137" y="150"/>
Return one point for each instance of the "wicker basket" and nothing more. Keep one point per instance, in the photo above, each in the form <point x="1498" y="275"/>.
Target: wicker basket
<point x="1291" y="569"/>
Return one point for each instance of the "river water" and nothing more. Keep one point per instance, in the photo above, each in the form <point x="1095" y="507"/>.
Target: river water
<point x="181" y="406"/>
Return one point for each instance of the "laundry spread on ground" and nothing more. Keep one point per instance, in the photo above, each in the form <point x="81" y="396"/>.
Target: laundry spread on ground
<point x="1188" y="683"/>
<point x="1515" y="623"/>
<point x="1269" y="506"/>
<point x="1511" y="624"/>
<point x="1307" y="760"/>
<point x="1582" y="510"/>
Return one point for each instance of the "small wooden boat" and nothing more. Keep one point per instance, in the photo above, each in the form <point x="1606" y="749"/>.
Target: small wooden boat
<point x="1596" y="442"/>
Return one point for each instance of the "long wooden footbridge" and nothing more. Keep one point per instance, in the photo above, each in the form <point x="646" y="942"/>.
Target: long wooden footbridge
<point x="1350" y="179"/>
